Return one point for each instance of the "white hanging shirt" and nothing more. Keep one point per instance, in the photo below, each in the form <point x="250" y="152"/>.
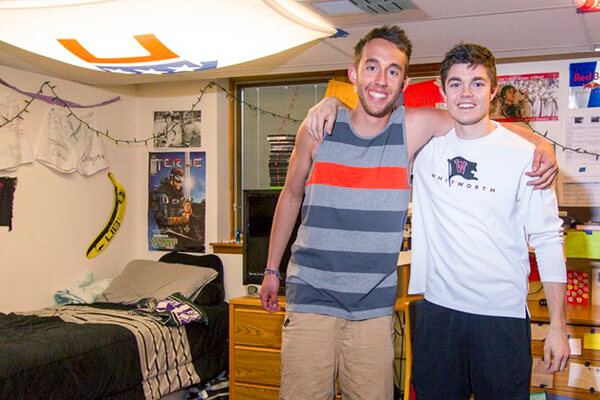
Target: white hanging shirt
<point x="68" y="145"/>
<point x="15" y="147"/>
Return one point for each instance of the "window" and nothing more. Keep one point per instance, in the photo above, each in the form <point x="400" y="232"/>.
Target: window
<point x="269" y="109"/>
<point x="266" y="135"/>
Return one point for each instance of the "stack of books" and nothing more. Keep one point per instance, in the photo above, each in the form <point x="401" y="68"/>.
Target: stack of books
<point x="281" y="146"/>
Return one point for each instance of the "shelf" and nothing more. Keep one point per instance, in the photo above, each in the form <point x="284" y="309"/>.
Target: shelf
<point x="227" y="247"/>
<point x="576" y="314"/>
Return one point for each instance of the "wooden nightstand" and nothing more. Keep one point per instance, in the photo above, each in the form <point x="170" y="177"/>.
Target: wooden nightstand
<point x="255" y="348"/>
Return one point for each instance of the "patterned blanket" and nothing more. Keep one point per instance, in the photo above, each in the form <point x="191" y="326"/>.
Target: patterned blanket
<point x="164" y="351"/>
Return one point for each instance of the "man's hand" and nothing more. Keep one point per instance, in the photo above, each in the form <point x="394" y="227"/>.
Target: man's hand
<point x="321" y="117"/>
<point x="556" y="350"/>
<point x="268" y="293"/>
<point x="544" y="166"/>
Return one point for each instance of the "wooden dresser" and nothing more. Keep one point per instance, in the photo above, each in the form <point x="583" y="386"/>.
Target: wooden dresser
<point x="580" y="320"/>
<point x="254" y="348"/>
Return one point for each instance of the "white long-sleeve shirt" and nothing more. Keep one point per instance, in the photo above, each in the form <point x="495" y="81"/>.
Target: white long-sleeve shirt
<point x="472" y="215"/>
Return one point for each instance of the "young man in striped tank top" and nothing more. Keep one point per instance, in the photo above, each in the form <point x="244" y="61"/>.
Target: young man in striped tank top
<point x="341" y="282"/>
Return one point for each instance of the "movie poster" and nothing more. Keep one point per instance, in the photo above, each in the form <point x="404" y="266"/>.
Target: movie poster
<point x="177" y="129"/>
<point x="176" y="201"/>
<point x="531" y="97"/>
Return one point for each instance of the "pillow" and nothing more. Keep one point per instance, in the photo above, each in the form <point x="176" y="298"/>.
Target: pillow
<point x="214" y="292"/>
<point x="211" y="294"/>
<point x="141" y="279"/>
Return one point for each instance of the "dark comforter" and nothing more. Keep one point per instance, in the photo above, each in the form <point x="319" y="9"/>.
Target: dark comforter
<point x="46" y="358"/>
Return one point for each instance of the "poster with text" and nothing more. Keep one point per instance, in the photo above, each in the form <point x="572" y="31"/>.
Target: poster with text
<point x="177" y="129"/>
<point x="528" y="97"/>
<point x="584" y="85"/>
<point x="176" y="201"/>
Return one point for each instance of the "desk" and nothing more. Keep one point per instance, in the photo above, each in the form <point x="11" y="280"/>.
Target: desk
<point x="580" y="320"/>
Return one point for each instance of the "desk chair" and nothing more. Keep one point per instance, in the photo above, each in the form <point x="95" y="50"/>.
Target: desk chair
<point x="410" y="324"/>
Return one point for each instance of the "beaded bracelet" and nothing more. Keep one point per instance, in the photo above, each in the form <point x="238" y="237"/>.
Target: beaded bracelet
<point x="271" y="271"/>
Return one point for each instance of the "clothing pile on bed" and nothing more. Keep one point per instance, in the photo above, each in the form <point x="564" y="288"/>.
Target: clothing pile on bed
<point x="82" y="291"/>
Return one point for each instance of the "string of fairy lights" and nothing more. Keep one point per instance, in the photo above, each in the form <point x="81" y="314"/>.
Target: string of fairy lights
<point x="578" y="150"/>
<point x="212" y="84"/>
<point x="24" y="110"/>
<point x="156" y="135"/>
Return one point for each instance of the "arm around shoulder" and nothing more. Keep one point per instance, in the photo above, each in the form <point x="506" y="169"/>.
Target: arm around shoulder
<point x="544" y="165"/>
<point x="321" y="117"/>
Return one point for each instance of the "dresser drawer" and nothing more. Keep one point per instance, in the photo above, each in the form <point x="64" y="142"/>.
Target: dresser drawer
<point x="251" y="392"/>
<point x="574" y="332"/>
<point x="257" y="366"/>
<point x="256" y="327"/>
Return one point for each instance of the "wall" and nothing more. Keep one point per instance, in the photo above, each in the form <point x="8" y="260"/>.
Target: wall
<point x="56" y="216"/>
<point x="556" y="130"/>
<point x="215" y="142"/>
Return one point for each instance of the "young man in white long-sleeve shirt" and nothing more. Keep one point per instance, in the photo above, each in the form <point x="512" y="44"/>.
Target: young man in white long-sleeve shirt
<point x="473" y="217"/>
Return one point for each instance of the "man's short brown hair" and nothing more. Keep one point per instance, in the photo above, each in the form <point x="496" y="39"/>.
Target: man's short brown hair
<point x="393" y="34"/>
<point x="473" y="55"/>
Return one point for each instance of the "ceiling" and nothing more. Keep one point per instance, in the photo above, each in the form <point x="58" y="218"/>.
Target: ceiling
<point x="510" y="28"/>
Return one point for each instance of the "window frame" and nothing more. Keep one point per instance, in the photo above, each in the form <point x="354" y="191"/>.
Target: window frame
<point x="236" y="86"/>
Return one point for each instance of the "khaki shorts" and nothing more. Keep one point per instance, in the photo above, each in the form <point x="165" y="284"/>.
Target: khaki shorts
<point x="318" y="348"/>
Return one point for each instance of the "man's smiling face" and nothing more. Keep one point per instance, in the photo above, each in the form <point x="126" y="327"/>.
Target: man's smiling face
<point x="468" y="93"/>
<point x="379" y="77"/>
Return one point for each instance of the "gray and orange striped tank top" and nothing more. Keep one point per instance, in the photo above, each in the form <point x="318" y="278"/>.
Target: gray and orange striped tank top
<point x="356" y="198"/>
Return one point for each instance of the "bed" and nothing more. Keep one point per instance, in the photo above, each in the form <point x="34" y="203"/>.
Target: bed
<point x="115" y="350"/>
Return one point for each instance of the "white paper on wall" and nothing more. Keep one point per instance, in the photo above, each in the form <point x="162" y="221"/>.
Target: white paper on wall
<point x="575" y="346"/>
<point x="584" y="377"/>
<point x="583" y="132"/>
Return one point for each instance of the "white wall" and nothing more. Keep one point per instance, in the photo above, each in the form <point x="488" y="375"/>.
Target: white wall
<point x="56" y="216"/>
<point x="215" y="142"/>
<point x="233" y="275"/>
<point x="556" y="129"/>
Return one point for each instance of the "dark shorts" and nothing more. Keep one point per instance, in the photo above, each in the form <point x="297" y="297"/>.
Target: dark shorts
<point x="456" y="354"/>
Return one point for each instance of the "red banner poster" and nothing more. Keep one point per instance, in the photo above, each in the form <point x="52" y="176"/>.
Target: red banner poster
<point x="424" y="94"/>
